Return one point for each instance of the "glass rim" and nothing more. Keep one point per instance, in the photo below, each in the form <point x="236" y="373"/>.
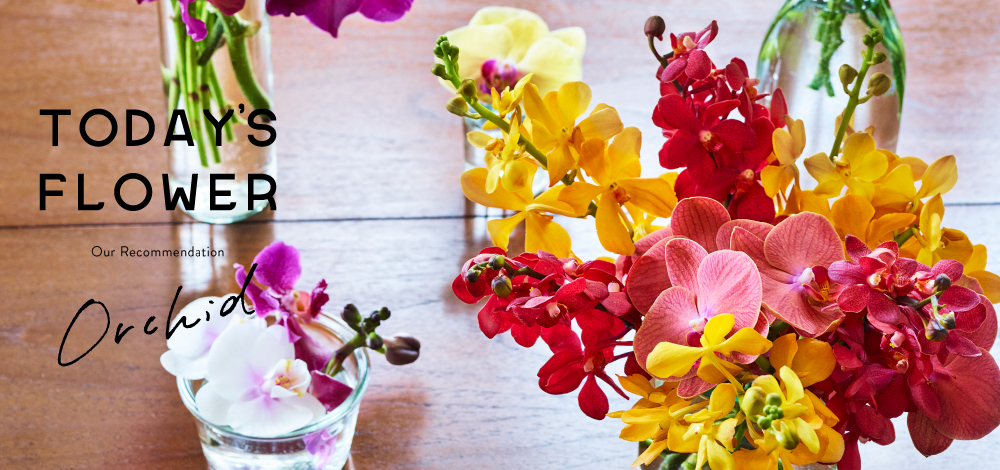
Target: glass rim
<point x="353" y="401"/>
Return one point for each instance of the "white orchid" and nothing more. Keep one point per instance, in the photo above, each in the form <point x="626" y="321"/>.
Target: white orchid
<point x="255" y="384"/>
<point x="187" y="355"/>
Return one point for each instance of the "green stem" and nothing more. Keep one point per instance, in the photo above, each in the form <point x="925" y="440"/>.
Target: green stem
<point x="336" y="362"/>
<point x="220" y="100"/>
<point x="185" y="76"/>
<point x="242" y="68"/>
<point x="204" y="91"/>
<point x="499" y="122"/>
<point x="828" y="34"/>
<point x="852" y="103"/>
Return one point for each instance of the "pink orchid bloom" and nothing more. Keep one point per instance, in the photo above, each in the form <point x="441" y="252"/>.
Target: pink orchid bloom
<point x="689" y="58"/>
<point x="703" y="285"/>
<point x="278" y="270"/>
<point x="793" y="259"/>
<point x="702" y="220"/>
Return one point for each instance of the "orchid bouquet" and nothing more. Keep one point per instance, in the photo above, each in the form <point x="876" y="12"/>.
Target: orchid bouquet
<point x="264" y="374"/>
<point x="760" y="325"/>
<point x="203" y="27"/>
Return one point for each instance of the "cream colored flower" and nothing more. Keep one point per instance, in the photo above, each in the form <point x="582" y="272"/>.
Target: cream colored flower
<point x="502" y="44"/>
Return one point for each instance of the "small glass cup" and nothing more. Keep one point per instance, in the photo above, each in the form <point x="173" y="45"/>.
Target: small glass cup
<point x="226" y="449"/>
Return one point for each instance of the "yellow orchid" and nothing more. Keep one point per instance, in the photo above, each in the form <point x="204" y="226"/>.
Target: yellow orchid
<point x="652" y="417"/>
<point x="975" y="268"/>
<point x="616" y="171"/>
<point x="506" y="159"/>
<point x="669" y="359"/>
<point x="932" y="243"/>
<point x="554" y="128"/>
<point x="786" y="423"/>
<point x="508" y="100"/>
<point x="788" y="146"/>
<point x="855" y="215"/>
<point x="810" y="359"/>
<point x="541" y="233"/>
<point x="501" y="44"/>
<point x="858" y="166"/>
<point x="711" y="440"/>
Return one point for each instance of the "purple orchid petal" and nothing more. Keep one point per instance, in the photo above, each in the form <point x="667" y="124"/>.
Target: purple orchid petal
<point x="314" y="354"/>
<point x="318" y="299"/>
<point x="322" y="446"/>
<point x="195" y="28"/>
<point x="278" y="268"/>
<point x="328" y="390"/>
<point x="263" y="304"/>
<point x="385" y="11"/>
<point x="328" y="14"/>
<point x="290" y="7"/>
<point x="228" y="7"/>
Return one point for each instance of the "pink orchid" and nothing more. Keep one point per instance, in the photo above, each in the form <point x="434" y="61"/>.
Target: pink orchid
<point x="278" y="270"/>
<point x="703" y="285"/>
<point x="702" y="220"/>
<point x="793" y="259"/>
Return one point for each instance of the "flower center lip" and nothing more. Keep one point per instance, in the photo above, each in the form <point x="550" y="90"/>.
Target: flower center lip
<point x="498" y="74"/>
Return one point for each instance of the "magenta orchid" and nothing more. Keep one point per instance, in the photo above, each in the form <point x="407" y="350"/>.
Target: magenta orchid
<point x="278" y="270"/>
<point x="328" y="14"/>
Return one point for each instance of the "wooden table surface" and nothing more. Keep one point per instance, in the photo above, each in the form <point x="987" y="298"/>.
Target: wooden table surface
<point x="368" y="190"/>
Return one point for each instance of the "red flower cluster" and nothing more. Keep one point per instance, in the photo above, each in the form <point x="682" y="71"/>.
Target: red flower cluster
<point x="914" y="341"/>
<point x="536" y="295"/>
<point x="722" y="157"/>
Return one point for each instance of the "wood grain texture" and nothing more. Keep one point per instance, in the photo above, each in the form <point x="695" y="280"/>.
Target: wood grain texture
<point x="363" y="135"/>
<point x="349" y="108"/>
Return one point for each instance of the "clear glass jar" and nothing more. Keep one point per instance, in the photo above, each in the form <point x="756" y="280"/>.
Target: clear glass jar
<point x="235" y="75"/>
<point x="791" y="55"/>
<point x="227" y="450"/>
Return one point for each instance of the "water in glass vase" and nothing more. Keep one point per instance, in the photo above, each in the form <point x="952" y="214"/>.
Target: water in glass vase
<point x="228" y="70"/>
<point x="806" y="45"/>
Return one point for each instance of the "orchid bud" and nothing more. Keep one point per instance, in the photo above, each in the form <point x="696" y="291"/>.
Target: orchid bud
<point x="786" y="436"/>
<point x="375" y="342"/>
<point x="401" y="349"/>
<point x="773" y="399"/>
<point x="471" y="276"/>
<point x="935" y="331"/>
<point x="497" y="262"/>
<point x="655" y="26"/>
<point x="501" y="286"/>
<point x="468" y="88"/>
<point x="876" y="36"/>
<point x="384" y="313"/>
<point x="753" y="402"/>
<point x="375" y="318"/>
<point x="942" y="282"/>
<point x="948" y="321"/>
<point x="879" y="84"/>
<point x="440" y="70"/>
<point x="351" y="315"/>
<point x="457" y="106"/>
<point x="879" y="57"/>
<point x="847" y="74"/>
<point x="764" y="422"/>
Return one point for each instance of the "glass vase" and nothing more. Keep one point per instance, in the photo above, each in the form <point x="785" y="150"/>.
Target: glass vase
<point x="809" y="38"/>
<point x="227" y="71"/>
<point x="226" y="449"/>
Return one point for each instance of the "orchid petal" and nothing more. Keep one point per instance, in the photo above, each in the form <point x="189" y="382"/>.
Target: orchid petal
<point x="699" y="219"/>
<point x="668" y="320"/>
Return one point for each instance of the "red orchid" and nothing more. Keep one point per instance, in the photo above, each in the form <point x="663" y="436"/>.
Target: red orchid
<point x="872" y="279"/>
<point x="695" y="139"/>
<point x="793" y="259"/>
<point x="572" y="364"/>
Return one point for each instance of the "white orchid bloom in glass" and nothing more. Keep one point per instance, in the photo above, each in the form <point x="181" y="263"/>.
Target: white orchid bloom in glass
<point x="255" y="384"/>
<point x="187" y="354"/>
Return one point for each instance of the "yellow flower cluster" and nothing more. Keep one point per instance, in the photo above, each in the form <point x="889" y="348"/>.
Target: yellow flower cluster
<point x="887" y="197"/>
<point x="784" y="421"/>
<point x="593" y="168"/>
